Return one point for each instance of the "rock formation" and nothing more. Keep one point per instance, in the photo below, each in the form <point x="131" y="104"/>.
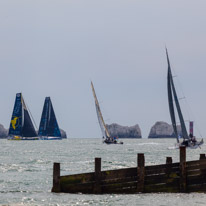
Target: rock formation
<point x="119" y="131"/>
<point x="63" y="134"/>
<point x="163" y="130"/>
<point x="3" y="132"/>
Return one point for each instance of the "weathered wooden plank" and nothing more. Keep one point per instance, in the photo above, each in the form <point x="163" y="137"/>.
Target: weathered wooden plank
<point x="86" y="188"/>
<point x="164" y="187"/>
<point x="105" y="176"/>
<point x="119" y="180"/>
<point x="161" y="171"/>
<point x="195" y="167"/>
<point x="78" y="178"/>
<point x="119" y="187"/>
<point x="156" y="167"/>
<point x="194" y="172"/>
<point x="193" y="180"/>
<point x="164" y="178"/>
<point x="119" y="173"/>
<point x="196" y="162"/>
<point x="196" y="188"/>
<point x="129" y="188"/>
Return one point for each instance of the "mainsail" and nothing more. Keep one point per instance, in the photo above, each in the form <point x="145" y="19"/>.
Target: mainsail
<point x="21" y="124"/>
<point x="48" y="124"/>
<point x="102" y="124"/>
<point x="173" y="95"/>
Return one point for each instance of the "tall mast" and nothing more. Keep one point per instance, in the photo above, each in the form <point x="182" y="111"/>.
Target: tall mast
<point x="99" y="111"/>
<point x="23" y="107"/>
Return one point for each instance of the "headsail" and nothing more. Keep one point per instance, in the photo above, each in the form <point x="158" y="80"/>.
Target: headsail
<point x="21" y="123"/>
<point x="48" y="124"/>
<point x="102" y="124"/>
<point x="172" y="94"/>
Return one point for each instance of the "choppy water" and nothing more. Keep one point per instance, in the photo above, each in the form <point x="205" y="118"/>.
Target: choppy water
<point x="26" y="170"/>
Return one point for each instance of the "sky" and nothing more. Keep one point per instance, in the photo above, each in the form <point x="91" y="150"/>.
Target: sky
<point x="55" y="48"/>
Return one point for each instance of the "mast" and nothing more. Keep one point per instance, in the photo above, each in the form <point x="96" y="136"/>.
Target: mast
<point x="170" y="100"/>
<point x="171" y="89"/>
<point x="99" y="113"/>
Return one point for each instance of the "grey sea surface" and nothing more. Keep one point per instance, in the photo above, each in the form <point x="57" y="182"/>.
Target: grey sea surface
<point x="26" y="169"/>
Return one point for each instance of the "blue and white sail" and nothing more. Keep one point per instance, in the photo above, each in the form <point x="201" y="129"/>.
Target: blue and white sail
<point x="21" y="126"/>
<point x="49" y="128"/>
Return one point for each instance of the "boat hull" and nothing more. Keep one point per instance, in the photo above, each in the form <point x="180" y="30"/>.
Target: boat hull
<point x="50" y="138"/>
<point x="190" y="145"/>
<point x="112" y="142"/>
<point x="22" y="138"/>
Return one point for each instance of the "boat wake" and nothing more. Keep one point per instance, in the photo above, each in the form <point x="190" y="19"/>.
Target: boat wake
<point x="172" y="148"/>
<point x="150" y="143"/>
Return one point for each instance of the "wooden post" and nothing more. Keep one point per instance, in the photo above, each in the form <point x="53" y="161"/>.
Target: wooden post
<point x="169" y="166"/>
<point x="140" y="172"/>
<point x="97" y="176"/>
<point x="183" y="171"/>
<point x="56" y="177"/>
<point x="169" y="160"/>
<point x="202" y="156"/>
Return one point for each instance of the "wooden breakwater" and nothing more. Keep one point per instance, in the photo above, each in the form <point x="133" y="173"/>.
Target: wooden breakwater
<point x="170" y="177"/>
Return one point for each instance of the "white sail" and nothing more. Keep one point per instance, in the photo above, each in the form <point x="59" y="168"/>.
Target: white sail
<point x="102" y="124"/>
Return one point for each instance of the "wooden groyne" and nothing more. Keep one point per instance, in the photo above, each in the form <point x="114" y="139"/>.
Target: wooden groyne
<point x="184" y="176"/>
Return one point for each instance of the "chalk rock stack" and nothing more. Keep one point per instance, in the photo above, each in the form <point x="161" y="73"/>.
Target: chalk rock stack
<point x="63" y="134"/>
<point x="3" y="132"/>
<point x="163" y="130"/>
<point x="119" y="131"/>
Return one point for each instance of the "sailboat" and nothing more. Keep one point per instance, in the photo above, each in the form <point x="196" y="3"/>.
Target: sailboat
<point x="188" y="140"/>
<point x="21" y="126"/>
<point x="105" y="133"/>
<point x="48" y="128"/>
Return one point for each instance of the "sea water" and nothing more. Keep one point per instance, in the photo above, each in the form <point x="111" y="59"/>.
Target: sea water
<point x="26" y="169"/>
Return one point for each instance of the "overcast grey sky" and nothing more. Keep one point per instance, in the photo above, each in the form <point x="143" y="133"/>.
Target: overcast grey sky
<point x="55" y="48"/>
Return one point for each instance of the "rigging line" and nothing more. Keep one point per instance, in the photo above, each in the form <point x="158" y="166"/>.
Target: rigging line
<point x="194" y="119"/>
<point x="178" y="123"/>
<point x="181" y="98"/>
<point x="180" y="90"/>
<point x="187" y="108"/>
